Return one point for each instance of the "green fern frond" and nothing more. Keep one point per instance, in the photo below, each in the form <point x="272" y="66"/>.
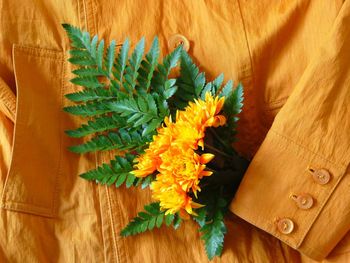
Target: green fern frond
<point x="210" y="219"/>
<point x="88" y="109"/>
<point x="213" y="87"/>
<point x="190" y="83"/>
<point x="148" y="65"/>
<point x="88" y="72"/>
<point x="110" y="58"/>
<point x="131" y="70"/>
<point x="118" y="172"/>
<point x="140" y="111"/>
<point x="90" y="95"/>
<point x="123" y="139"/>
<point x="85" y="52"/>
<point x="232" y="107"/>
<point x="160" y="81"/>
<point x="152" y="217"/>
<point x="213" y="233"/>
<point x="99" y="124"/>
<point x="119" y="67"/>
<point x="87" y="82"/>
<point x="226" y="89"/>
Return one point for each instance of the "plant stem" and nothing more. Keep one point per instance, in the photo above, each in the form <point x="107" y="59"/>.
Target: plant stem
<point x="217" y="137"/>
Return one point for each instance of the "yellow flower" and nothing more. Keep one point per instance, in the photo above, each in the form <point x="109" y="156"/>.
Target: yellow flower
<point x="185" y="166"/>
<point x="204" y="114"/>
<point x="172" y="198"/>
<point x="149" y="162"/>
<point x="146" y="164"/>
<point x="172" y="154"/>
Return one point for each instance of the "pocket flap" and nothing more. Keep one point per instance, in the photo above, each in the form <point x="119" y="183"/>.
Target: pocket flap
<point x="32" y="181"/>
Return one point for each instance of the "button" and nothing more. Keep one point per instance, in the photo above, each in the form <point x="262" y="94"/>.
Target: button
<point x="304" y="201"/>
<point x="321" y="176"/>
<point x="177" y="40"/>
<point x="285" y="225"/>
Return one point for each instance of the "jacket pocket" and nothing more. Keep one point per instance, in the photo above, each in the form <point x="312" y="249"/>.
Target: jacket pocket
<point x="32" y="181"/>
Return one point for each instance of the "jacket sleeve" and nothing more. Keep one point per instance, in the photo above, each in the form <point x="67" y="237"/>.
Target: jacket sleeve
<point x="297" y="187"/>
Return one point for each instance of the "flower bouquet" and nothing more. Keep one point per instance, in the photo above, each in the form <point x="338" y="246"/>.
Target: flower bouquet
<point x="173" y="135"/>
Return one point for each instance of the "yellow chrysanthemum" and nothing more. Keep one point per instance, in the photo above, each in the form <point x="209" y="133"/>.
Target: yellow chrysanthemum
<point x="185" y="166"/>
<point x="172" y="198"/>
<point x="204" y="113"/>
<point x="149" y="162"/>
<point x="172" y="154"/>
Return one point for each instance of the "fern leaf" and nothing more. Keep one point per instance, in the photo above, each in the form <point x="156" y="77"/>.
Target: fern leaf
<point x="118" y="172"/>
<point x="132" y="69"/>
<point x="110" y="57"/>
<point x="75" y="35"/>
<point x="88" y="109"/>
<point x="213" y="235"/>
<point x="89" y="95"/>
<point x="210" y="218"/>
<point x="148" y="66"/>
<point x="233" y="103"/>
<point x="139" y="112"/>
<point x="82" y="61"/>
<point x="148" y="220"/>
<point x="88" y="72"/>
<point x="85" y="55"/>
<point x="122" y="139"/>
<point x="87" y="82"/>
<point x="99" y="55"/>
<point x="99" y="124"/>
<point x="160" y="77"/>
<point x="119" y="67"/>
<point x="190" y="83"/>
<point x="227" y="89"/>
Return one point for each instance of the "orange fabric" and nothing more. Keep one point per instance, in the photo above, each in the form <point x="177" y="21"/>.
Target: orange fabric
<point x="291" y="56"/>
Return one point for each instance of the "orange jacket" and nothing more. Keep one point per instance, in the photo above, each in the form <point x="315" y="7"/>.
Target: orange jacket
<point x="293" y="58"/>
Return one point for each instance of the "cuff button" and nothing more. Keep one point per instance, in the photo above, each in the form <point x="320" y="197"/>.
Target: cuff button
<point x="304" y="201"/>
<point x="321" y="176"/>
<point x="285" y="226"/>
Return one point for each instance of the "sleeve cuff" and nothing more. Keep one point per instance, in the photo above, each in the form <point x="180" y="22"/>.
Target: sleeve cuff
<point x="296" y="195"/>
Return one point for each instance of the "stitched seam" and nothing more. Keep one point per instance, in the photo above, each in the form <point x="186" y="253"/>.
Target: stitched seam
<point x="89" y="18"/>
<point x="27" y="208"/>
<point x="12" y="162"/>
<point x="39" y="52"/>
<point x="59" y="168"/>
<point x="247" y="42"/>
<point x="116" y="255"/>
<point x="301" y="145"/>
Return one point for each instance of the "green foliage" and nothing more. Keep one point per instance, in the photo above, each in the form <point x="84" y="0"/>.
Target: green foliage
<point x="117" y="172"/>
<point x="126" y="98"/>
<point x="192" y="84"/>
<point x="214" y="230"/>
<point x="122" y="139"/>
<point x="210" y="219"/>
<point x="88" y="109"/>
<point x="135" y="88"/>
<point x="149" y="219"/>
<point x="232" y="107"/>
<point x="99" y="124"/>
<point x="142" y="111"/>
